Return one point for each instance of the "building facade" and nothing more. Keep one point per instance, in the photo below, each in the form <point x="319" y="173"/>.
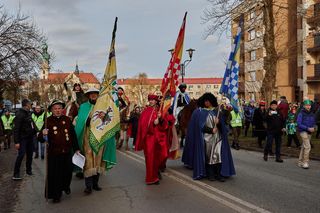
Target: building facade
<point x="52" y="84"/>
<point x="309" y="48"/>
<point x="137" y="90"/>
<point x="253" y="52"/>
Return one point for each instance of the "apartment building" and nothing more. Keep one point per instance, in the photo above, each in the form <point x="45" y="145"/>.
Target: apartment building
<point x="309" y="48"/>
<point x="253" y="52"/>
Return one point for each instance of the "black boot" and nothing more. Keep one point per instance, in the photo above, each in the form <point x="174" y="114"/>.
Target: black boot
<point x="95" y="179"/>
<point x="217" y="171"/>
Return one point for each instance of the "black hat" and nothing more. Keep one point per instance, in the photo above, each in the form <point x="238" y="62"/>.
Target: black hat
<point x="274" y="102"/>
<point x="56" y="101"/>
<point x="182" y="85"/>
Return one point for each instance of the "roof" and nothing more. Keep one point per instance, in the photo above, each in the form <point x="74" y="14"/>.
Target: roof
<point x="85" y="77"/>
<point x="186" y="80"/>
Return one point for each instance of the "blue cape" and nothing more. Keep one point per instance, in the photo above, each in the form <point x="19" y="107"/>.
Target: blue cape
<point x="194" y="151"/>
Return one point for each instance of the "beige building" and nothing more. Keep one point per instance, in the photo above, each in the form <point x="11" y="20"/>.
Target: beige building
<point x="252" y="51"/>
<point x="309" y="49"/>
<point x="52" y="83"/>
<point x="138" y="90"/>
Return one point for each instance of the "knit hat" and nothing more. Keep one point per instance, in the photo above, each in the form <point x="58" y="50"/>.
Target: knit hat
<point x="307" y="102"/>
<point x="273" y="102"/>
<point x="262" y="103"/>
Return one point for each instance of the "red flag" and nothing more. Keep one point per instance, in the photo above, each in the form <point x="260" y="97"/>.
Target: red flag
<point x="171" y="78"/>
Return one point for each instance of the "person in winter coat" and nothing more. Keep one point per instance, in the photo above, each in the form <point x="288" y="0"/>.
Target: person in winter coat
<point x="258" y="123"/>
<point x="291" y="127"/>
<point x="275" y="126"/>
<point x="306" y="125"/>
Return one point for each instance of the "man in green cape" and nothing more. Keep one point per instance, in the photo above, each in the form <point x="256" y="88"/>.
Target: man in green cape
<point x="95" y="163"/>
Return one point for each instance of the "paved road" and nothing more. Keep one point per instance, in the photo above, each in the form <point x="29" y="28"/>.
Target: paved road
<point x="258" y="187"/>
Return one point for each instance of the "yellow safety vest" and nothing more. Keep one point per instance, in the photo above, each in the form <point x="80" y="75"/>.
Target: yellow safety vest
<point x="236" y="120"/>
<point x="38" y="120"/>
<point x="7" y="122"/>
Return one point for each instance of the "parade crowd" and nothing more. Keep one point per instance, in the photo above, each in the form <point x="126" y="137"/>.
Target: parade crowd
<point x="56" y="132"/>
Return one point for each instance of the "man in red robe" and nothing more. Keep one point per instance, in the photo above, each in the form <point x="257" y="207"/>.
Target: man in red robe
<point x="152" y="139"/>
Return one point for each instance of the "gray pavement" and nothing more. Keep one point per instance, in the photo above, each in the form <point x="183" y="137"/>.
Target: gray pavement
<point x="258" y="187"/>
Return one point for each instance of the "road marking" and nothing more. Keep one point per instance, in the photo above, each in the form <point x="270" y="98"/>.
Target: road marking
<point x="201" y="190"/>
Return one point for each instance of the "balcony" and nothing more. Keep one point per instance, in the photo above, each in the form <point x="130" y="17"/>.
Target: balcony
<point x="314" y="20"/>
<point x="315" y="48"/>
<point x="316" y="77"/>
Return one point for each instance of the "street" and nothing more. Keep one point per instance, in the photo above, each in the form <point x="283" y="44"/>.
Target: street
<point x="258" y="187"/>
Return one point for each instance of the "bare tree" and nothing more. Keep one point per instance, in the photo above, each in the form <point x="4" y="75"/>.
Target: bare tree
<point x="140" y="87"/>
<point x="20" y="48"/>
<point x="222" y="13"/>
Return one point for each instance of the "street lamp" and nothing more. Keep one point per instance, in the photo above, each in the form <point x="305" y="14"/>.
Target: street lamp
<point x="185" y="63"/>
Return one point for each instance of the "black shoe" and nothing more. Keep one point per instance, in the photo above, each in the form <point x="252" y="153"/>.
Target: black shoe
<point x="80" y="175"/>
<point x="220" y="179"/>
<point x="97" y="188"/>
<point x="42" y="157"/>
<point x="16" y="177"/>
<point x="29" y="173"/>
<point x="88" y="191"/>
<point x="67" y="191"/>
<point x="265" y="157"/>
<point x="36" y="156"/>
<point x="56" y="200"/>
<point x="279" y="160"/>
<point x="211" y="178"/>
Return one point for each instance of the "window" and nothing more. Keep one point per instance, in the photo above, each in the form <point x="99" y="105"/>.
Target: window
<point x="252" y="34"/>
<point x="191" y="93"/>
<point x="197" y="93"/>
<point x="216" y="86"/>
<point x="190" y="86"/>
<point x="252" y="76"/>
<point x="252" y="55"/>
<point x="208" y="86"/>
<point x="252" y="14"/>
<point x="199" y="86"/>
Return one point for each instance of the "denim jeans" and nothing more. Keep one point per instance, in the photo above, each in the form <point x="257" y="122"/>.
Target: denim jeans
<point x="26" y="147"/>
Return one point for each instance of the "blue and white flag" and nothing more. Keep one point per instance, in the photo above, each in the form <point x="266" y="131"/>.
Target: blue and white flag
<point x="229" y="86"/>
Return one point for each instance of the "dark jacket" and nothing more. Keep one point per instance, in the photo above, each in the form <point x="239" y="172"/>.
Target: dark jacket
<point x="248" y="112"/>
<point x="62" y="138"/>
<point x="305" y="120"/>
<point x="23" y="126"/>
<point x="275" y="122"/>
<point x="258" y="119"/>
<point x="283" y="108"/>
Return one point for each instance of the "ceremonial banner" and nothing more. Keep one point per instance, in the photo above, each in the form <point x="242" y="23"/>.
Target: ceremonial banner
<point x="105" y="121"/>
<point x="171" y="78"/>
<point x="229" y="86"/>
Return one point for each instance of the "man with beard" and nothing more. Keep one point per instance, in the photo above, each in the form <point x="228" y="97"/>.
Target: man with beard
<point x="95" y="164"/>
<point x="62" y="140"/>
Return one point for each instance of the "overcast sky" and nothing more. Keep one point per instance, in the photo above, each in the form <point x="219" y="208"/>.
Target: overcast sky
<point x="80" y="30"/>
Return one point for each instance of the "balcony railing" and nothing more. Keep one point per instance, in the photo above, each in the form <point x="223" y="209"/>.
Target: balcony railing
<point x="316" y="15"/>
<point x="316" y="77"/>
<point x="316" y="46"/>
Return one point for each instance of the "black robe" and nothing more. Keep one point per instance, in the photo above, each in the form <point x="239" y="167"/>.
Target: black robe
<point x="62" y="141"/>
